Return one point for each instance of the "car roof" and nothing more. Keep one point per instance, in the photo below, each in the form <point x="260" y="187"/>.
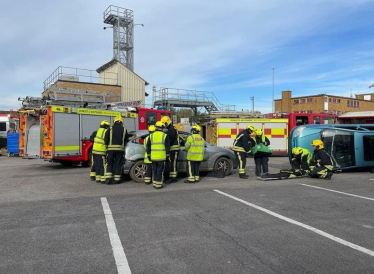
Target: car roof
<point x="142" y="133"/>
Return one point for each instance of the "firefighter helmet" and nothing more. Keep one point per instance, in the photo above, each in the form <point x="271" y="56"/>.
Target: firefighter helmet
<point x="317" y="143"/>
<point x="105" y="123"/>
<point x="151" y="128"/>
<point x="196" y="128"/>
<point x="258" y="132"/>
<point x="159" y="124"/>
<point x="118" y="119"/>
<point x="297" y="151"/>
<point x="166" y="120"/>
<point x="251" y="128"/>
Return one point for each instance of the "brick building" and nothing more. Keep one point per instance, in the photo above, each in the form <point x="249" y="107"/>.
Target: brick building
<point x="323" y="103"/>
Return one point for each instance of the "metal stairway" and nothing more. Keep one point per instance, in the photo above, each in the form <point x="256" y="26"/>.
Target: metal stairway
<point x="171" y="97"/>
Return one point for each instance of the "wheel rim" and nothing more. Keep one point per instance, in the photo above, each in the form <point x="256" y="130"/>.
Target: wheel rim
<point x="140" y="171"/>
<point x="223" y="164"/>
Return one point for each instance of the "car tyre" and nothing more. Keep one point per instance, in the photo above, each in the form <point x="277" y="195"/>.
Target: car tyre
<point x="224" y="163"/>
<point x="137" y="171"/>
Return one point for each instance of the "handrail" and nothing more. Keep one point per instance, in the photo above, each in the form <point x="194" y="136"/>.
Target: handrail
<point x="82" y="75"/>
<point x="164" y="94"/>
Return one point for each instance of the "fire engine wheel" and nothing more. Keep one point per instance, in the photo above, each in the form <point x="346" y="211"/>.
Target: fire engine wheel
<point x="225" y="164"/>
<point x="137" y="171"/>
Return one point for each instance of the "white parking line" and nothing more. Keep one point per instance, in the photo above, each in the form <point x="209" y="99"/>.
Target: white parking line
<point x="315" y="230"/>
<point x="362" y="197"/>
<point x="119" y="254"/>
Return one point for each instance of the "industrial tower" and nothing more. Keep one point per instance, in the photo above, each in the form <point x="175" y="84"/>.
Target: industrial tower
<point x="122" y="21"/>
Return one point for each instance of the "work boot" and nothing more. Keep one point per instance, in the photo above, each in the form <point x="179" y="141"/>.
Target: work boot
<point x="173" y="180"/>
<point x="328" y="176"/>
<point x="92" y="178"/>
<point x="189" y="182"/>
<point x="108" y="181"/>
<point x="117" y="182"/>
<point x="168" y="181"/>
<point x="243" y="176"/>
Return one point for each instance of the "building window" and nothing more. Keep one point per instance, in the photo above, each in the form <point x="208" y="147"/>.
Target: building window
<point x="358" y="104"/>
<point x="309" y="100"/>
<point x="353" y="104"/>
<point x="302" y="101"/>
<point x="329" y="100"/>
<point x="295" y="102"/>
<point x="326" y="99"/>
<point x="338" y="101"/>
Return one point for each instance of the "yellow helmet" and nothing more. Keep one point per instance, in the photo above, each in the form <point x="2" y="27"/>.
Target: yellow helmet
<point x="297" y="151"/>
<point x="196" y="127"/>
<point x="317" y="143"/>
<point x="166" y="120"/>
<point x="118" y="119"/>
<point x="159" y="124"/>
<point x="251" y="128"/>
<point x="151" y="128"/>
<point x="258" y="132"/>
<point x="104" y="123"/>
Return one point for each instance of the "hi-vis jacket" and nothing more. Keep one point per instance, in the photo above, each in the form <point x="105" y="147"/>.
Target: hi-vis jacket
<point x="158" y="146"/>
<point x="99" y="147"/>
<point x="241" y="142"/>
<point x="173" y="138"/>
<point x="146" y="160"/>
<point x="116" y="137"/>
<point x="302" y="161"/>
<point x="195" y="146"/>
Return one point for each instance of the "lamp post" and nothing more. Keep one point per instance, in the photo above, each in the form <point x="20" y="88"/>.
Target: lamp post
<point x="272" y="97"/>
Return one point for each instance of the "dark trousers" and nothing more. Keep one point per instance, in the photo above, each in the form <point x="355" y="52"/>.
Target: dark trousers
<point x="319" y="172"/>
<point x="158" y="173"/>
<point x="99" y="163"/>
<point x="115" y="162"/>
<point x="174" y="164"/>
<point x="92" y="172"/>
<point x="193" y="171"/>
<point x="261" y="162"/>
<point x="148" y="173"/>
<point x="241" y="156"/>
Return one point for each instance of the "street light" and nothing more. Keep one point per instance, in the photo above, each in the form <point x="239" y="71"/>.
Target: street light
<point x="272" y="103"/>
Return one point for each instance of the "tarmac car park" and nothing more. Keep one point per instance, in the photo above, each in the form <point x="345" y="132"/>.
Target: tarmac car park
<point x="214" y="157"/>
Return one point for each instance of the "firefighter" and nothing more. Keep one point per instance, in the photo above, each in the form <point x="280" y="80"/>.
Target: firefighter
<point x="300" y="161"/>
<point x="242" y="147"/>
<point x="99" y="151"/>
<point x="194" y="146"/>
<point x="158" y="150"/>
<point x="300" y="166"/>
<point x="321" y="164"/>
<point x="148" y="163"/>
<point x="260" y="160"/>
<point x="115" y="138"/>
<point x="92" y="172"/>
<point x="174" y="149"/>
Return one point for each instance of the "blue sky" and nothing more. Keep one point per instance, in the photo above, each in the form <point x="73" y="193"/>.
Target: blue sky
<point x="225" y="47"/>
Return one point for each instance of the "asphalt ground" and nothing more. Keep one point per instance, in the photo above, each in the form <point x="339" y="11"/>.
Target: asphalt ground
<point x="53" y="219"/>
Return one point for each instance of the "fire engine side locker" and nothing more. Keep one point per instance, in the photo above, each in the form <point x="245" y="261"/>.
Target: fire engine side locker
<point x="66" y="134"/>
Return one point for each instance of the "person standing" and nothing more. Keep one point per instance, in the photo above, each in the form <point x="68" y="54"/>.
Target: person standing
<point x="195" y="146"/>
<point x="158" y="150"/>
<point x="148" y="163"/>
<point x="261" y="161"/>
<point x="321" y="165"/>
<point x="115" y="138"/>
<point x="99" y="151"/>
<point x="242" y="147"/>
<point x="92" y="172"/>
<point x="174" y="149"/>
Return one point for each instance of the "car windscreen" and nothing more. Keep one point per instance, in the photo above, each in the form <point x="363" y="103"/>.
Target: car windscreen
<point x="340" y="145"/>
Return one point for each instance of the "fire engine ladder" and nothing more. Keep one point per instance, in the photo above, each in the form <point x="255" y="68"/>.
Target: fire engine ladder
<point x="68" y="96"/>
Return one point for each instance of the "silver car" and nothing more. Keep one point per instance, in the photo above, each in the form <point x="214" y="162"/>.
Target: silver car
<point x="214" y="157"/>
